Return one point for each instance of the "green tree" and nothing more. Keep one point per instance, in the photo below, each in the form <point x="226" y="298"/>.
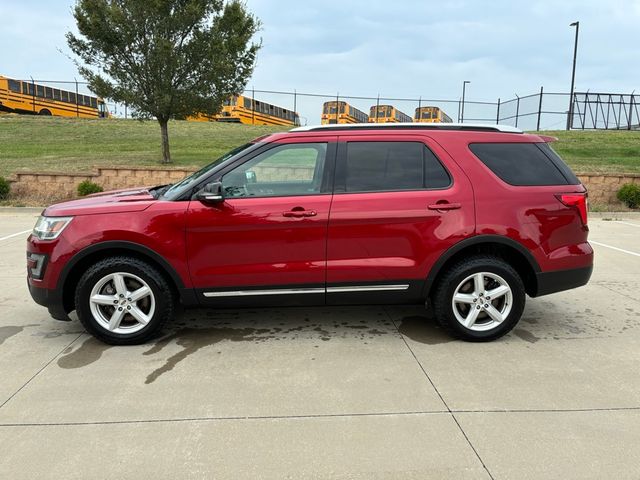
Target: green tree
<point x="165" y="58"/>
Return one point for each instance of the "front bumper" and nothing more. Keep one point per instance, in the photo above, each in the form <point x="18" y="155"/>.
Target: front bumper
<point x="50" y="299"/>
<point x="559" y="280"/>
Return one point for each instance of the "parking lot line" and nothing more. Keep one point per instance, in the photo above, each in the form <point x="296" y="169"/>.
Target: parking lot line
<point x="615" y="248"/>
<point x="14" y="235"/>
<point x="627" y="223"/>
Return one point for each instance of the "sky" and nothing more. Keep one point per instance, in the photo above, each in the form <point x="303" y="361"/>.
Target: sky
<point x="400" y="49"/>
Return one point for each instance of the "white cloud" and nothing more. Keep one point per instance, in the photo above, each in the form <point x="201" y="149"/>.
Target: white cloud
<point x="406" y="48"/>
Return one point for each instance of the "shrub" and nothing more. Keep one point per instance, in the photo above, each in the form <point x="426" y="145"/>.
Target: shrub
<point x="5" y="187"/>
<point x="88" y="187"/>
<point x="629" y="194"/>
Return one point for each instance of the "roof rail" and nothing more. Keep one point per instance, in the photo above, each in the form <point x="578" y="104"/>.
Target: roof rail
<point x="478" y="127"/>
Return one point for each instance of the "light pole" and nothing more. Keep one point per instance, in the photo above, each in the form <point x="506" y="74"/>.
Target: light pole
<point x="464" y="87"/>
<point x="573" y="75"/>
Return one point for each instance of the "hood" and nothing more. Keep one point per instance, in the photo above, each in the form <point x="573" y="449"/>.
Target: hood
<point x="115" y="201"/>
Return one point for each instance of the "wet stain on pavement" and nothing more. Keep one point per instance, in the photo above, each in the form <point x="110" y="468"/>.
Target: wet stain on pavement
<point x="423" y="330"/>
<point x="89" y="352"/>
<point x="9" y="331"/>
<point x="525" y="335"/>
<point x="193" y="339"/>
<point x="192" y="335"/>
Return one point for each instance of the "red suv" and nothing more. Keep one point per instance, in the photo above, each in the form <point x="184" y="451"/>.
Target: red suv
<point x="466" y="218"/>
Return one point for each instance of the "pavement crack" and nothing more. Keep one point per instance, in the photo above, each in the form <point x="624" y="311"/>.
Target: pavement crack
<point x="464" y="434"/>
<point x="40" y="370"/>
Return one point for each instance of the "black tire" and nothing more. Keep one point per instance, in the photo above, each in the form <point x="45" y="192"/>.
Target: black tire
<point x="162" y="300"/>
<point x="457" y="273"/>
<point x="45" y="112"/>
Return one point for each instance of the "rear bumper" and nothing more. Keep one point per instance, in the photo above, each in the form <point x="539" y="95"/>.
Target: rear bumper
<point x="559" y="280"/>
<point x="50" y="299"/>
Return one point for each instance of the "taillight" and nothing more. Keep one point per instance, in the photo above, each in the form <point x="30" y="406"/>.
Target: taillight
<point x="576" y="200"/>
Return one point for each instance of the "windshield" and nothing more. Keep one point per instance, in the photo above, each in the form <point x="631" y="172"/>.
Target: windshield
<point x="177" y="189"/>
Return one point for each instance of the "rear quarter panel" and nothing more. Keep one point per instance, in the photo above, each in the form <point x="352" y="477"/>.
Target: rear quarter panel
<point x="530" y="215"/>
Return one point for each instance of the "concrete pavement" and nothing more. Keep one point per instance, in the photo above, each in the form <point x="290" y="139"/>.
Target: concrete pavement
<point x="357" y="392"/>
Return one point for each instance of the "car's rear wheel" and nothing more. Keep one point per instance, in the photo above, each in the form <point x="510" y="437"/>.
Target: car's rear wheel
<point x="123" y="301"/>
<point x="479" y="299"/>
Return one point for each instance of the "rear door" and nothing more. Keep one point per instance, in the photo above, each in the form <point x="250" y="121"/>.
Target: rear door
<point x="399" y="202"/>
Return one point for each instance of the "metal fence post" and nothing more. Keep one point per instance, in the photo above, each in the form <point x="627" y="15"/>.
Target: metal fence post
<point x="419" y="113"/>
<point x="337" y="108"/>
<point x="77" y="106"/>
<point x="253" y="106"/>
<point x="33" y="93"/>
<point x="517" y="109"/>
<point x="295" y="106"/>
<point x="498" y="113"/>
<point x="539" y="110"/>
<point x="377" y="107"/>
<point x="570" y="112"/>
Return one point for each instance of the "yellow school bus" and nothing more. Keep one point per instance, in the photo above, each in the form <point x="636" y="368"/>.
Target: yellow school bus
<point x="431" y="115"/>
<point x="387" y="114"/>
<point x="240" y="109"/>
<point x="29" y="97"/>
<point x="341" y="112"/>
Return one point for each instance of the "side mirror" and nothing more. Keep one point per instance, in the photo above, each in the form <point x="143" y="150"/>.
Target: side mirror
<point x="211" y="193"/>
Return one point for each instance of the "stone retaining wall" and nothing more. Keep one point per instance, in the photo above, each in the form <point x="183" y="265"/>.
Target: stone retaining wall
<point x="52" y="186"/>
<point x="603" y="188"/>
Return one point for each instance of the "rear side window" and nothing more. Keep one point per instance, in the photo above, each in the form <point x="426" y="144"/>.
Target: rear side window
<point x="391" y="166"/>
<point x="524" y="164"/>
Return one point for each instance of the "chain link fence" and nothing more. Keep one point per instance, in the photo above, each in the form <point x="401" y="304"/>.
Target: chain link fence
<point x="537" y="111"/>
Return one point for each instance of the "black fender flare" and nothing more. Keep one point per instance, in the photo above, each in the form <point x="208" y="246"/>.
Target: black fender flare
<point x="187" y="295"/>
<point x="476" y="240"/>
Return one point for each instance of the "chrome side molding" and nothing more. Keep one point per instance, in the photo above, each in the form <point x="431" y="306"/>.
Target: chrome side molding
<point x="297" y="291"/>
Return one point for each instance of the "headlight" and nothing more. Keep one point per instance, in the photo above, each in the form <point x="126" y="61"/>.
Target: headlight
<point x="50" y="228"/>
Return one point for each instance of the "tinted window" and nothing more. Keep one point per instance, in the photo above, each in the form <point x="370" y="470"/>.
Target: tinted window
<point x="14" y="86"/>
<point x="435" y="176"/>
<point x="389" y="166"/>
<point x="284" y="170"/>
<point x="566" y="171"/>
<point x="519" y="163"/>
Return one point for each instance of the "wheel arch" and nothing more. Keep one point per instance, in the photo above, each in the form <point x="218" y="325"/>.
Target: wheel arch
<point x="79" y="263"/>
<point x="510" y="250"/>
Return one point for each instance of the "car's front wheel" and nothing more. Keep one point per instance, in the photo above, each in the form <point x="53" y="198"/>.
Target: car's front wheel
<point x="479" y="299"/>
<point x="123" y="301"/>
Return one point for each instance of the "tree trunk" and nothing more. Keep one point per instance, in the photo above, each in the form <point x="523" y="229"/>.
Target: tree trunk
<point x="164" y="132"/>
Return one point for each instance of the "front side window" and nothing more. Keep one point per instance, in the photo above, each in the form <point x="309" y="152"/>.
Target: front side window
<point x="392" y="166"/>
<point x="285" y="170"/>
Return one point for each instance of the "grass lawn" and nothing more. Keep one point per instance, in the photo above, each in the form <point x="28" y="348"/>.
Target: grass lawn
<point x="69" y="144"/>
<point x="606" y="151"/>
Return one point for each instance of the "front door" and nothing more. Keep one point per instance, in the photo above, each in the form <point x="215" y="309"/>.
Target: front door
<point x="266" y="243"/>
